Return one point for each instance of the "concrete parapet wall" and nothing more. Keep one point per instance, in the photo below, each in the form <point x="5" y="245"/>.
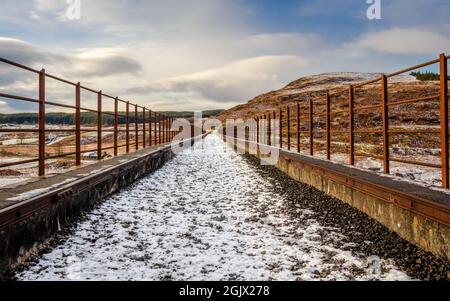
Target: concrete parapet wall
<point x="427" y="234"/>
<point x="418" y="214"/>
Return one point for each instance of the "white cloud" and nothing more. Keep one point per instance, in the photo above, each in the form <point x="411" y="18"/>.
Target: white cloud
<point x="103" y="62"/>
<point x="24" y="52"/>
<point x="34" y="15"/>
<point x="236" y="81"/>
<point x="49" y="5"/>
<point x="402" y="41"/>
<point x="187" y="54"/>
<point x="153" y="17"/>
<point x="81" y="63"/>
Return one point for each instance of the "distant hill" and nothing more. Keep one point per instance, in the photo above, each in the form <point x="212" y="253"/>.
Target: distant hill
<point x="88" y="117"/>
<point x="314" y="88"/>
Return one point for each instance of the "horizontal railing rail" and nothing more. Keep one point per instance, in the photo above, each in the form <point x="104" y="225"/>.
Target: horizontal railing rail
<point x="155" y="127"/>
<point x="305" y="115"/>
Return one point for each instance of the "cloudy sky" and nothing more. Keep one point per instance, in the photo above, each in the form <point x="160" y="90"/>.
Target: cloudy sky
<point x="207" y="54"/>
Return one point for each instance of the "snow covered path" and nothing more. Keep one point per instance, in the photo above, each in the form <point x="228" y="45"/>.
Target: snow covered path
<point x="206" y="215"/>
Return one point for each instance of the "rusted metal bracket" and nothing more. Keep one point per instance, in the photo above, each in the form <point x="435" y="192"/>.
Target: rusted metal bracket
<point x="64" y="194"/>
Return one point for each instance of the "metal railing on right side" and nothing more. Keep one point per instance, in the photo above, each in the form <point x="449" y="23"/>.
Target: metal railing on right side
<point x="304" y="111"/>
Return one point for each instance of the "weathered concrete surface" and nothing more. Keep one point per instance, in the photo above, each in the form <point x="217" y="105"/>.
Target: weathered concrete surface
<point x="428" y="234"/>
<point x="87" y="186"/>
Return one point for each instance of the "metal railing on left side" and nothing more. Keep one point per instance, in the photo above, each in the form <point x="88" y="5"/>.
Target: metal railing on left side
<point x="151" y="134"/>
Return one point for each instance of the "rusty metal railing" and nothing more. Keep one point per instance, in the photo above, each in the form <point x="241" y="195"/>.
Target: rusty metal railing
<point x="159" y="127"/>
<point x="353" y="111"/>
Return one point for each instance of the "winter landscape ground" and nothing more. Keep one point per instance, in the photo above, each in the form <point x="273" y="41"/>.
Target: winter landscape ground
<point x="16" y="147"/>
<point x="211" y="214"/>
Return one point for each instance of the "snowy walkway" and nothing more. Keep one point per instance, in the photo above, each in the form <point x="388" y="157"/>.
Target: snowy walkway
<point x="206" y="215"/>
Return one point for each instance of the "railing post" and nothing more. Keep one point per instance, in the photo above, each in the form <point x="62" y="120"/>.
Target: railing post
<point x="269" y="130"/>
<point x="444" y="121"/>
<point x="289" y="127"/>
<point x="385" y="117"/>
<point x="273" y="133"/>
<point x="144" y="122"/>
<point x="298" y="128"/>
<point x="165" y="129"/>
<point x="260" y="129"/>
<point x="99" y="125"/>
<point x="266" y="129"/>
<point x="311" y="128"/>
<point x="116" y="126"/>
<point x="150" y="128"/>
<point x="257" y="130"/>
<point x="159" y="132"/>
<point x="155" y="123"/>
<point x="172" y="130"/>
<point x="235" y="133"/>
<point x="253" y="131"/>
<point x="42" y="123"/>
<point x="157" y="129"/>
<point x="248" y="130"/>
<point x="281" y="128"/>
<point x="78" y="125"/>
<point x="128" y="126"/>
<point x="136" y="126"/>
<point x="327" y="126"/>
<point x="166" y="132"/>
<point x="351" y="113"/>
